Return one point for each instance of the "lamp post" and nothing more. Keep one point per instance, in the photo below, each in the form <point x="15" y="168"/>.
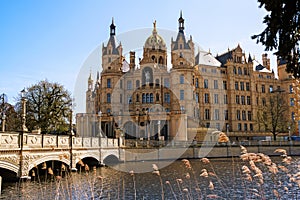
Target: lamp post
<point x="24" y="129"/>
<point x="23" y="100"/>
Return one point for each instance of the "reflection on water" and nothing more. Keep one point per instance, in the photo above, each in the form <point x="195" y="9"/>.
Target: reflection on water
<point x="224" y="180"/>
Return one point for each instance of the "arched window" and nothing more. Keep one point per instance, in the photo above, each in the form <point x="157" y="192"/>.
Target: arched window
<point x="144" y="98"/>
<point x="234" y="70"/>
<point x="137" y="83"/>
<point x="137" y="98"/>
<point x="245" y="71"/>
<point x="239" y="71"/>
<point x="157" y="97"/>
<point x="147" y="98"/>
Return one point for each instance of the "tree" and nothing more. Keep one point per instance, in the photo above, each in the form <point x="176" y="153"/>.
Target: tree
<point x="273" y="116"/>
<point x="48" y="107"/>
<point x="282" y="32"/>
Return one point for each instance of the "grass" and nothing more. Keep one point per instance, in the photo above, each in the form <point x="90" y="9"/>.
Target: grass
<point x="252" y="176"/>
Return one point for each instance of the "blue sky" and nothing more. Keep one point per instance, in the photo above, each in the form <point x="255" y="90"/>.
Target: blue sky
<point x="51" y="39"/>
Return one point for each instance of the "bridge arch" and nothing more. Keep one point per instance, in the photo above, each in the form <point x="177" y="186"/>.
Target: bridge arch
<point x="9" y="166"/>
<point x="39" y="161"/>
<point x="87" y="155"/>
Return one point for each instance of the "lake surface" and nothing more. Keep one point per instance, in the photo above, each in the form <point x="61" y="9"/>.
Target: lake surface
<point x="177" y="181"/>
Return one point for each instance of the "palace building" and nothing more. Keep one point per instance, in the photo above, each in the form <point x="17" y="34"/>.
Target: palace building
<point x="146" y="100"/>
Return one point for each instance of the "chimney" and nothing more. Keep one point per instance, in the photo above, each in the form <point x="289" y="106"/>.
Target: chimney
<point x="132" y="60"/>
<point x="266" y="61"/>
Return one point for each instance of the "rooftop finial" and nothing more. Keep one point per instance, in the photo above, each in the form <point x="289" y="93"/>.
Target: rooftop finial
<point x="181" y="22"/>
<point x="112" y="27"/>
<point x="180" y="13"/>
<point x="154" y="27"/>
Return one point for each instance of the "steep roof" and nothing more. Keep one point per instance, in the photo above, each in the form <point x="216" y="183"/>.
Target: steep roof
<point x="205" y="58"/>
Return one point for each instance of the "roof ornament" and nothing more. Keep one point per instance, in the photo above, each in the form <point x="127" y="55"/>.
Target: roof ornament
<point x="154" y="28"/>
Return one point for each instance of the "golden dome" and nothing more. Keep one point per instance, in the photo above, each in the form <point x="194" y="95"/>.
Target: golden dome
<point x="155" y="41"/>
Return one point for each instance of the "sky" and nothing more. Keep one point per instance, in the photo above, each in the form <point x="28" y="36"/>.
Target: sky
<point x="51" y="39"/>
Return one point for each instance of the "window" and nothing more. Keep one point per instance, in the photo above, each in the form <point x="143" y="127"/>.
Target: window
<point x="215" y="84"/>
<point x="242" y="86"/>
<point x="129" y="85"/>
<point x="182" y="108"/>
<point x="121" y="98"/>
<point x="167" y="97"/>
<point x="206" y="98"/>
<point x="181" y="79"/>
<point x="157" y="97"/>
<point x="151" y="98"/>
<point x="249" y="116"/>
<point x="108" y="83"/>
<point x="224" y="85"/>
<point x="181" y="94"/>
<point x="239" y="71"/>
<point x="137" y="98"/>
<point x="108" y="110"/>
<point x="238" y="115"/>
<point x="226" y="114"/>
<point x="243" y="102"/>
<point x="234" y="70"/>
<point x="271" y="88"/>
<point x="239" y="126"/>
<point x="108" y="98"/>
<point x="121" y="84"/>
<point x="263" y="89"/>
<point x="225" y="99"/>
<point x="129" y="99"/>
<point x="292" y="102"/>
<point x="245" y="71"/>
<point x="148" y="98"/>
<point x="236" y="84"/>
<point x="144" y="98"/>
<point x="264" y="101"/>
<point x="251" y="127"/>
<point x="245" y="127"/>
<point x="156" y="82"/>
<point x="237" y="99"/>
<point x="207" y="125"/>
<point x="205" y="83"/>
<point x="216" y="98"/>
<point x="197" y="97"/>
<point x="244" y="115"/>
<point x="207" y="114"/>
<point x="218" y="126"/>
<point x="137" y="83"/>
<point x="166" y="83"/>
<point x="247" y="86"/>
<point x="291" y="89"/>
<point x="217" y="117"/>
<point x="248" y="100"/>
<point x="197" y="83"/>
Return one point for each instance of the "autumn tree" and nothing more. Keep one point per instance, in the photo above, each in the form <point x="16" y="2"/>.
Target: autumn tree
<point x="273" y="114"/>
<point x="282" y="32"/>
<point x="48" y="107"/>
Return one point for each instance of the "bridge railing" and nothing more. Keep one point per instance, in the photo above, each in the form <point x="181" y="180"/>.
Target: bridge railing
<point x="12" y="140"/>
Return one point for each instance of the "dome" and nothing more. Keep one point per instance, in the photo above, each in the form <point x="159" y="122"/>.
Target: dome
<point x="155" y="40"/>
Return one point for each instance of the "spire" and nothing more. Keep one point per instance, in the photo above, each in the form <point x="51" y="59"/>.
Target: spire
<point x="181" y="22"/>
<point x="112" y="28"/>
<point x="249" y="59"/>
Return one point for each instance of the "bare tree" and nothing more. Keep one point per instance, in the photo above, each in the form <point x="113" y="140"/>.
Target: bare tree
<point x="273" y="116"/>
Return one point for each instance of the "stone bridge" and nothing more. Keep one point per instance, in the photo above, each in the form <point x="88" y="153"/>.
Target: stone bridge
<point x="21" y="152"/>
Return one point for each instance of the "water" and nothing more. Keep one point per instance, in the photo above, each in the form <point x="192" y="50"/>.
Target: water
<point x="175" y="181"/>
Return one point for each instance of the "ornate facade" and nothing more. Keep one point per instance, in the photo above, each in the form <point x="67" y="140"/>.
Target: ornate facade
<point x="146" y="100"/>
